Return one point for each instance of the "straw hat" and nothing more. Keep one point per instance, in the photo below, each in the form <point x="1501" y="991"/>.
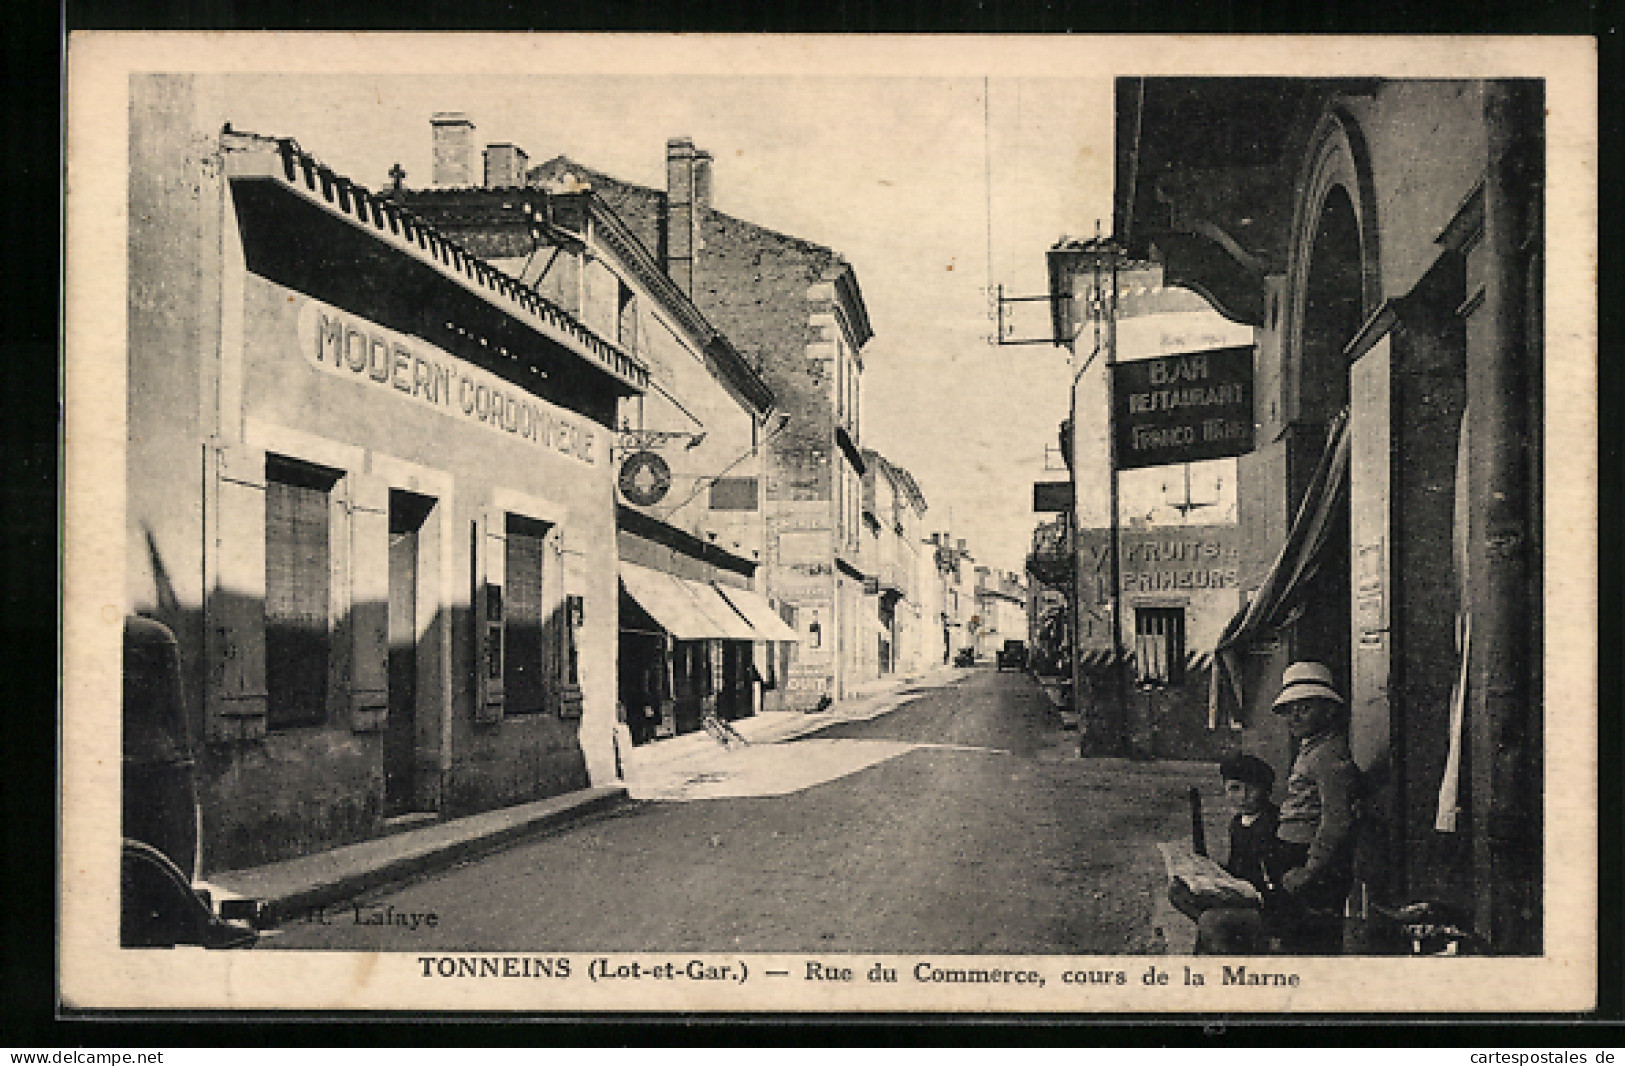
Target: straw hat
<point x="1306" y="681"/>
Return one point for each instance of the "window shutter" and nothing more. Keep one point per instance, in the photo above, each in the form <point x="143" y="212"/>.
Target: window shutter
<point x="369" y="602"/>
<point x="235" y="634"/>
<point x="525" y="673"/>
<point x="490" y="568"/>
<point x="572" y="610"/>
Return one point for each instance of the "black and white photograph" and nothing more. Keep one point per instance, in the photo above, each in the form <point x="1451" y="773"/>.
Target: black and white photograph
<point x="773" y="524"/>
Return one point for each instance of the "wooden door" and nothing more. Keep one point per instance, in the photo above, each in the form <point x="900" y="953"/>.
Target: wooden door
<point x="406" y="516"/>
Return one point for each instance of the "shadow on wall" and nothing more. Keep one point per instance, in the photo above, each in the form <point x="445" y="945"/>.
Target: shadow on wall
<point x="1168" y="721"/>
<point x="310" y="755"/>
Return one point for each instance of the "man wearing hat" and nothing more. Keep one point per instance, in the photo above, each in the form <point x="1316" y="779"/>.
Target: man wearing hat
<point x="1316" y="830"/>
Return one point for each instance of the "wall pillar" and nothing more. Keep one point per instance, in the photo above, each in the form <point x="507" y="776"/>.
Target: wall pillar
<point x="1506" y="795"/>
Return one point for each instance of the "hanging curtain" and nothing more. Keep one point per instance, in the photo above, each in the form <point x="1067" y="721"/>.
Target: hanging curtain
<point x="1278" y="601"/>
<point x="1450" y="787"/>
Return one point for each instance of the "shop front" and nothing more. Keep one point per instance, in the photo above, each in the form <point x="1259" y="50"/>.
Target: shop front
<point x="689" y="651"/>
<point x="1178" y="587"/>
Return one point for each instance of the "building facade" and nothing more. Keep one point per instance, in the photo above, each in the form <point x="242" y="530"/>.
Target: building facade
<point x="370" y="490"/>
<point x="688" y="451"/>
<point x="1144" y="692"/>
<point x="795" y="312"/>
<point x="953" y="577"/>
<point x="1385" y="241"/>
<point x="893" y="510"/>
<point x="1001" y="610"/>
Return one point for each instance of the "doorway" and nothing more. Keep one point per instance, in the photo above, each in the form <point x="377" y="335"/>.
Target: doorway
<point x="408" y="512"/>
<point x="1333" y="311"/>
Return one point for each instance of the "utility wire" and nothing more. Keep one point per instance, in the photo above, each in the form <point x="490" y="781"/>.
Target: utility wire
<point x="987" y="173"/>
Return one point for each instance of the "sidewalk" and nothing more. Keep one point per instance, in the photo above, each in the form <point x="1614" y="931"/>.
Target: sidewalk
<point x="696" y="766"/>
<point x="274" y="892"/>
<point x="294" y="886"/>
<point x="695" y="752"/>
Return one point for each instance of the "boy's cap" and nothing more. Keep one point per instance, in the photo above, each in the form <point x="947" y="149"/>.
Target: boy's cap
<point x="1305" y="681"/>
<point x="1248" y="769"/>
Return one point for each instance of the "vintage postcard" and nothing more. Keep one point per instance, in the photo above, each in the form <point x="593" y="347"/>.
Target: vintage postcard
<point x="571" y="523"/>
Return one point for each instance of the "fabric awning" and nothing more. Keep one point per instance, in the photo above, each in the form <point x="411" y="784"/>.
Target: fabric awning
<point x="1278" y="600"/>
<point x="759" y="613"/>
<point x="729" y="623"/>
<point x="688" y="610"/>
<point x="668" y="603"/>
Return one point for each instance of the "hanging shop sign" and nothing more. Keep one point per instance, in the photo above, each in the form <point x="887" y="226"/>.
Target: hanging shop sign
<point x="644" y="479"/>
<point x="1049" y="496"/>
<point x="1183" y="408"/>
<point x="414" y="370"/>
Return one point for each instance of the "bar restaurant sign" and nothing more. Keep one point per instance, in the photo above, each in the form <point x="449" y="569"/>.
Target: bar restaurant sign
<point x="1182" y="408"/>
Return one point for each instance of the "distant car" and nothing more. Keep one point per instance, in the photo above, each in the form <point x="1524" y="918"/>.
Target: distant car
<point x="965" y="657"/>
<point x="1013" y="654"/>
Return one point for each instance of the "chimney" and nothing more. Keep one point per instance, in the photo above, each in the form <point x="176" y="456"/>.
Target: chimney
<point x="453" y="148"/>
<point x="702" y="188"/>
<point x="680" y="216"/>
<point x="505" y="166"/>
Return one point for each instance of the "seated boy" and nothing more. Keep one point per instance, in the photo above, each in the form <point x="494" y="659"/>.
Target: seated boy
<point x="1248" y="781"/>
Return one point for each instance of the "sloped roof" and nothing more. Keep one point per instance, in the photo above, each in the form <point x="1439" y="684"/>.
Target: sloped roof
<point x="902" y="481"/>
<point x="642" y="209"/>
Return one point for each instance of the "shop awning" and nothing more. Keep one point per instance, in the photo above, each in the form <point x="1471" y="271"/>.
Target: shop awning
<point x="729" y="623"/>
<point x="759" y="613"/>
<point x="1279" y="599"/>
<point x="688" y="610"/>
<point x="668" y="603"/>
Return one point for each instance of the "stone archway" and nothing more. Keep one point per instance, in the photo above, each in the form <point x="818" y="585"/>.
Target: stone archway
<point x="1333" y="286"/>
<point x="1334" y="281"/>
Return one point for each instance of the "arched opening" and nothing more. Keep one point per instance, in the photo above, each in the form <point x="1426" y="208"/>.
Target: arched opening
<point x="1333" y="311"/>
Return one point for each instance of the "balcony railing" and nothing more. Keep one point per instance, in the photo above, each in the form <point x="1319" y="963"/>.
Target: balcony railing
<point x="896" y="576"/>
<point x="1050" y="560"/>
<point x="397" y="225"/>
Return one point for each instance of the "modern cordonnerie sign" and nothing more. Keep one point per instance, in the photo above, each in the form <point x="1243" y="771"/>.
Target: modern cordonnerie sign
<point x="416" y="371"/>
<point x="1183" y="408"/>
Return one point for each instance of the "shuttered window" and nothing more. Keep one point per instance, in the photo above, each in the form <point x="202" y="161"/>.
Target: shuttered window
<point x="531" y="626"/>
<point x="626" y="324"/>
<point x="1159" y="645"/>
<point x="298" y="580"/>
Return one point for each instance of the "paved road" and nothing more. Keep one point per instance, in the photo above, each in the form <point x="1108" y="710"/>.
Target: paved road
<point x="969" y="826"/>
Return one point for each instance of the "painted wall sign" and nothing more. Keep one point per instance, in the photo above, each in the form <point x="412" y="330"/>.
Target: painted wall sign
<point x="417" y="371"/>
<point x="1183" y="408"/>
<point x="1199" y="560"/>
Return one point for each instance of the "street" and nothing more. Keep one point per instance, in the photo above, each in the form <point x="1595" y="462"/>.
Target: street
<point x="969" y="825"/>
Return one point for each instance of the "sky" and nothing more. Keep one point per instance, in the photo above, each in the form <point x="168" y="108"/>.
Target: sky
<point x="936" y="189"/>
